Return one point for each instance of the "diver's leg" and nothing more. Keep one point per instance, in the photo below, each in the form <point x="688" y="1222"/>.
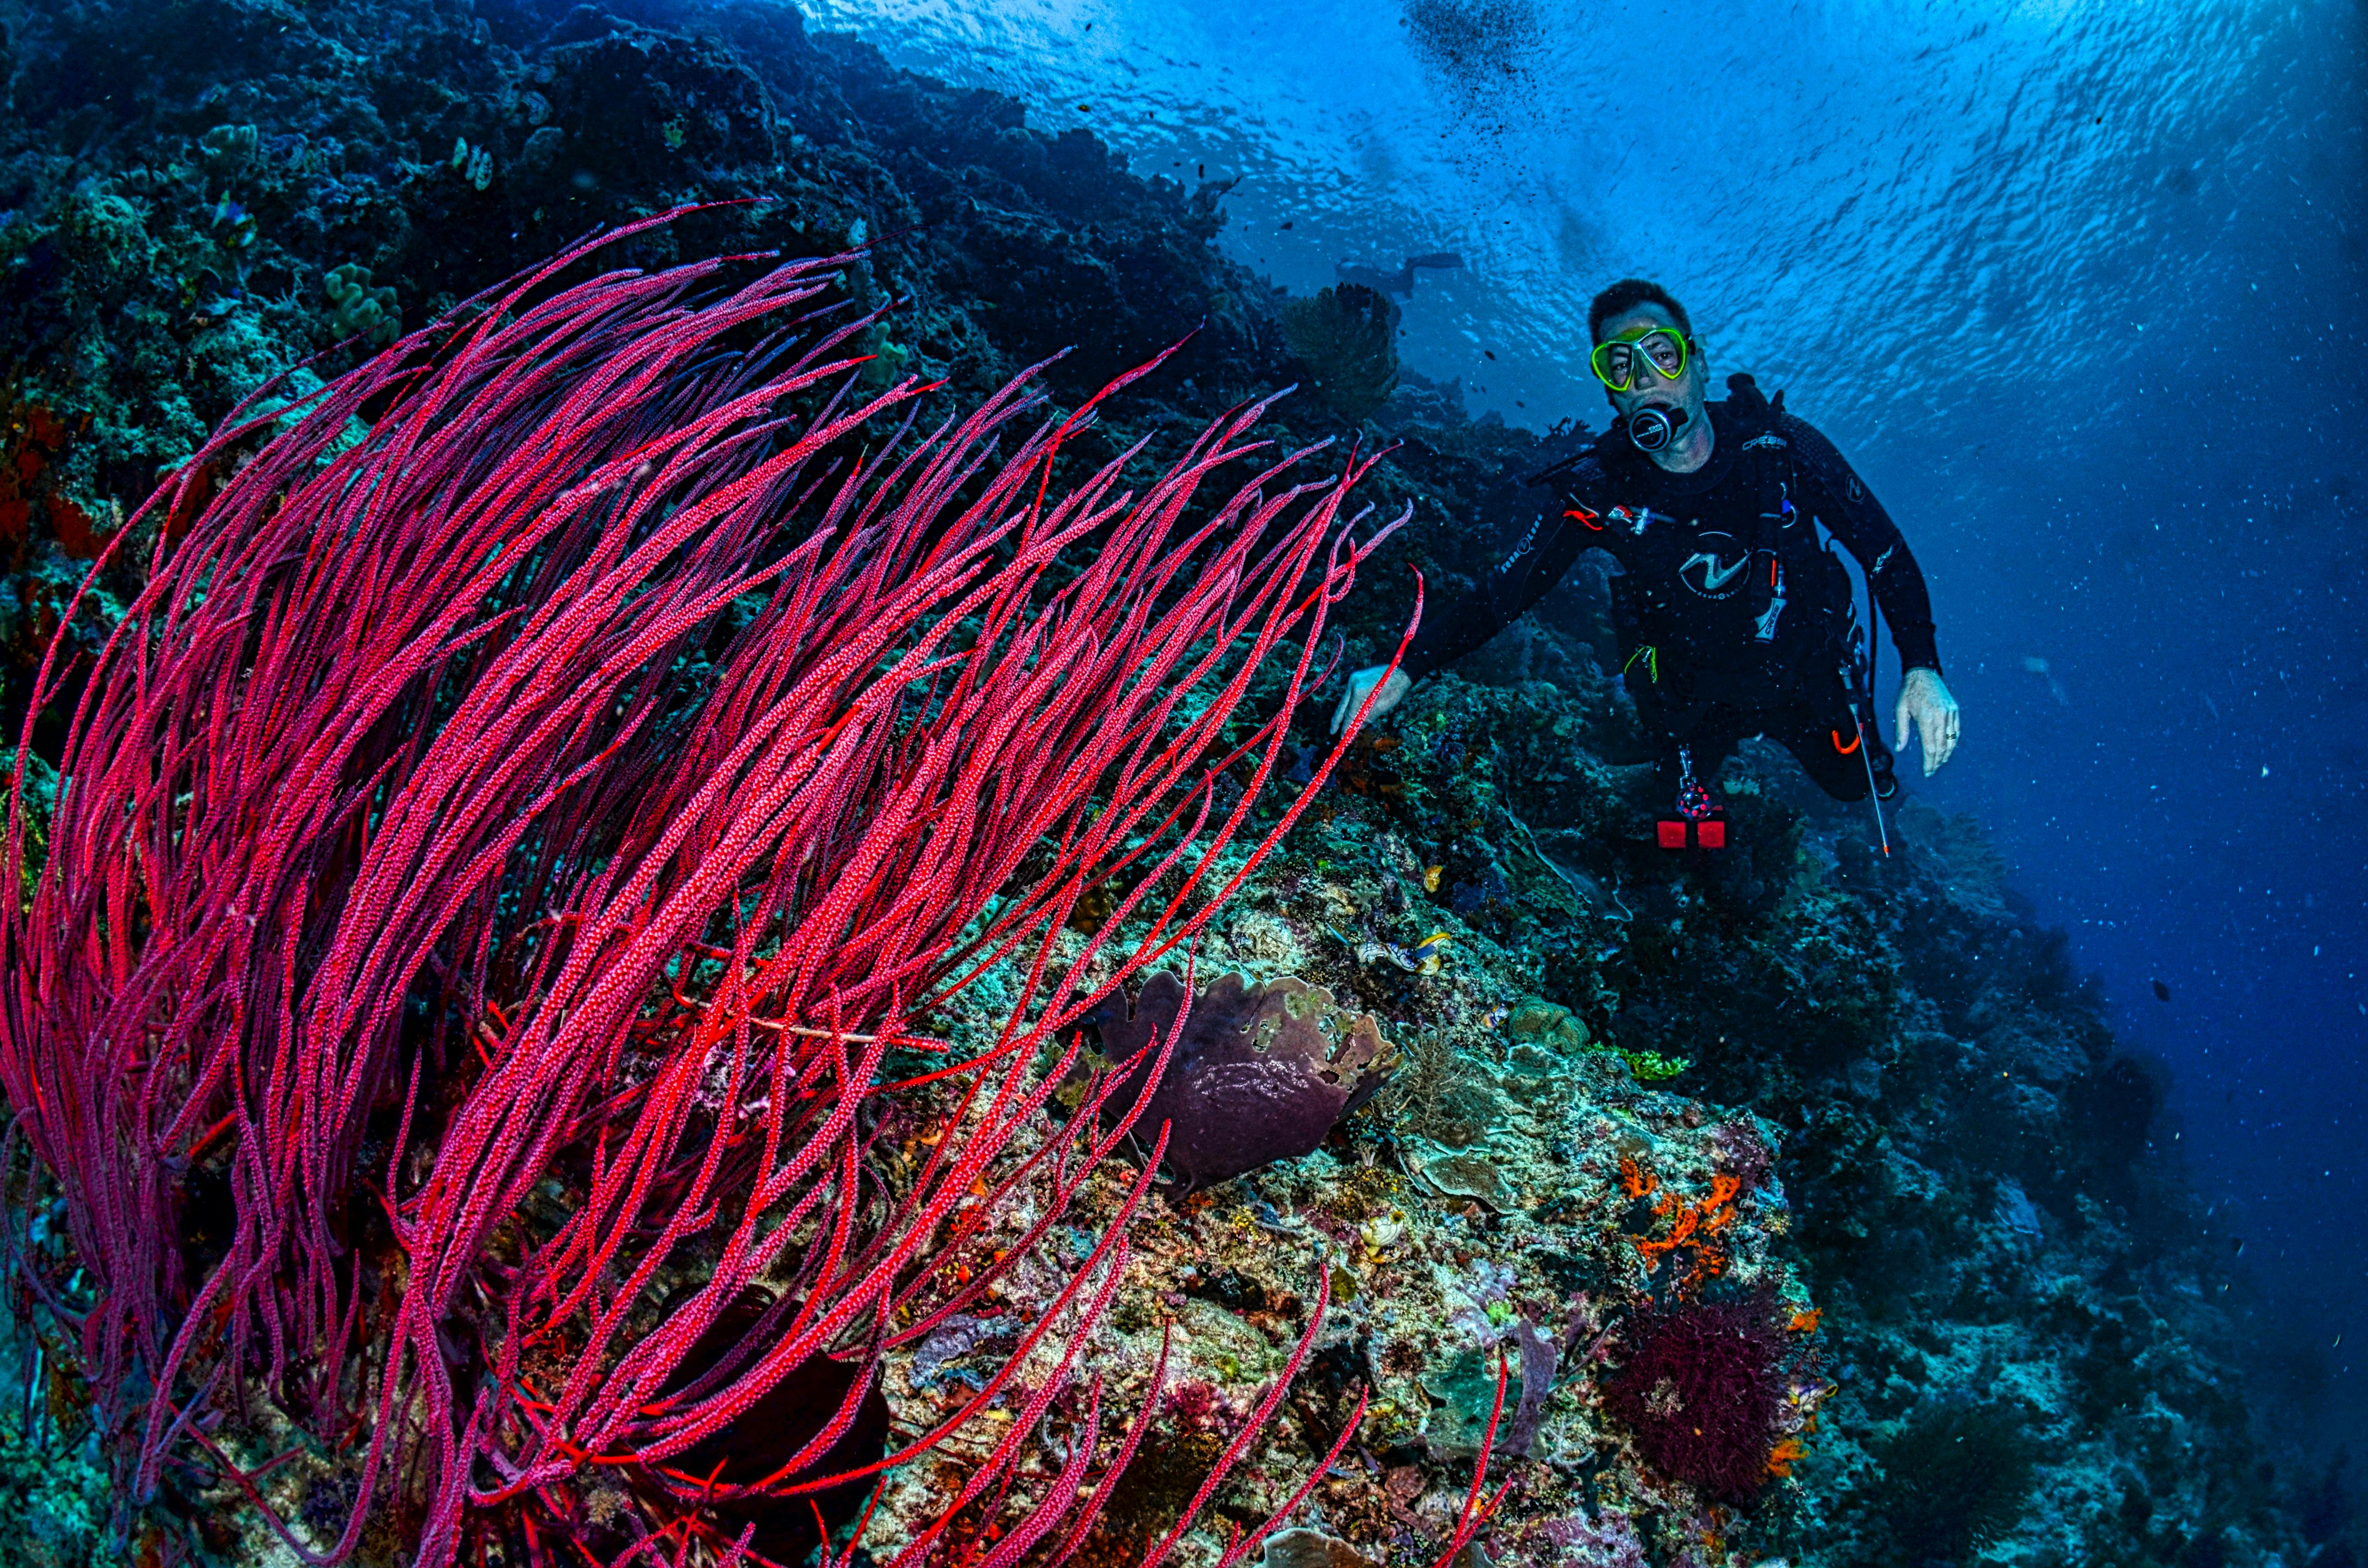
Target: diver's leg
<point x="1835" y="751"/>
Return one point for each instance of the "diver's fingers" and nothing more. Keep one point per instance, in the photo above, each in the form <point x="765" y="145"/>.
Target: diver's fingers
<point x="1940" y="734"/>
<point x="1899" y="721"/>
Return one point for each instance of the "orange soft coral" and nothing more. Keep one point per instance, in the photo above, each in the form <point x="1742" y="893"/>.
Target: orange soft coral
<point x="1695" y="1225"/>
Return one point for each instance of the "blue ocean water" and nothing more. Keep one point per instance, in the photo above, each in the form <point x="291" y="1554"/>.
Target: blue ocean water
<point x="2077" y="285"/>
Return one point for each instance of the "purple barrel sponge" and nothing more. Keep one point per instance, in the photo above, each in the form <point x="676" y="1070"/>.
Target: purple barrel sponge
<point x="1261" y="1072"/>
<point x="1700" y="1391"/>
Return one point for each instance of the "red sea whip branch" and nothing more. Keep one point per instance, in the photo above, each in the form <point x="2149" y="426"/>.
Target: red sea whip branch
<point x="462" y="714"/>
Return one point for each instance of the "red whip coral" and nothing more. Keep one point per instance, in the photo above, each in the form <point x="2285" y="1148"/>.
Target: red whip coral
<point x="507" y="857"/>
<point x="1702" y="1390"/>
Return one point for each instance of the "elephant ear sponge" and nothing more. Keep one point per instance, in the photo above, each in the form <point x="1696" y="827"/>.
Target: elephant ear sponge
<point x="1702" y="1390"/>
<point x="1260" y="1073"/>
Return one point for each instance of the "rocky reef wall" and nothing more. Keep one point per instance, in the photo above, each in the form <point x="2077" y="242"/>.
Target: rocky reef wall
<point x="1806" y="1205"/>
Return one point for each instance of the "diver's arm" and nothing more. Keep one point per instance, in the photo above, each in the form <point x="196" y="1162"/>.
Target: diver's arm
<point x="1505" y="591"/>
<point x="1503" y="594"/>
<point x="1557" y="536"/>
<point x="1836" y="498"/>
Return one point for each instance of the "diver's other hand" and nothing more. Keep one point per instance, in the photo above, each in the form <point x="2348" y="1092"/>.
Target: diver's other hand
<point x="1363" y="681"/>
<point x="1924" y="700"/>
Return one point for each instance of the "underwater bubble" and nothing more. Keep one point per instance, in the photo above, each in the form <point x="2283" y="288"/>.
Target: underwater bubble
<point x="1474" y="43"/>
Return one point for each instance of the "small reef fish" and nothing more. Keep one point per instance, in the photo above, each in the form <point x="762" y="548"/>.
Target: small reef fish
<point x="1425" y="958"/>
<point x="2038" y="666"/>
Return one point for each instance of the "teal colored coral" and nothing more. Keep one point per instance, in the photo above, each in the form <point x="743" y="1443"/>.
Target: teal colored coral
<point x="361" y="310"/>
<point x="56" y="1503"/>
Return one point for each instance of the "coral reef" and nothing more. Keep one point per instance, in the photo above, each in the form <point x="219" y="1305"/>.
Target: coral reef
<point x="56" y="1497"/>
<point x="1955" y="1477"/>
<point x="1864" y="1102"/>
<point x="775" y="778"/>
<point x="1790" y="1266"/>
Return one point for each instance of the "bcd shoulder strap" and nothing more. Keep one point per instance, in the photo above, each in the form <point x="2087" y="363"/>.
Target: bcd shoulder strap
<point x="1758" y="414"/>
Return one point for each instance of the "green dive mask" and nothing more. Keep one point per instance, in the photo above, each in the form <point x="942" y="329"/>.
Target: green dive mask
<point x="1618" y="360"/>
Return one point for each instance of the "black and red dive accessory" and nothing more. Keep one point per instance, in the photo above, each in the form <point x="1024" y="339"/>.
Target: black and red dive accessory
<point x="1857" y="682"/>
<point x="1701" y="823"/>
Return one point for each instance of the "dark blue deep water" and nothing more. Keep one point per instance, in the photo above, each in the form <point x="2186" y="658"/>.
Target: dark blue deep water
<point x="2076" y="285"/>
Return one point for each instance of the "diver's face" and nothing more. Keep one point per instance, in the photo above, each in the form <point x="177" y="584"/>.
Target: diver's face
<point x="1647" y="388"/>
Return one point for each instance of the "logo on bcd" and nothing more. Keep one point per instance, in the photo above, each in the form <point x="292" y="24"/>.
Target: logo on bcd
<point x="1709" y="571"/>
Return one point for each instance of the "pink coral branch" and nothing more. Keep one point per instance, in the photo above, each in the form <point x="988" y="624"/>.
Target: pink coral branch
<point x="1477" y="1513"/>
<point x="566" y="799"/>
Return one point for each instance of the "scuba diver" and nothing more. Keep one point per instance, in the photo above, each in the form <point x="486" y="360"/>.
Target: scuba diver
<point x="1735" y="616"/>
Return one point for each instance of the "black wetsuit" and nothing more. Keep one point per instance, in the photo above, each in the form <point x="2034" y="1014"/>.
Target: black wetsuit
<point x="1735" y="618"/>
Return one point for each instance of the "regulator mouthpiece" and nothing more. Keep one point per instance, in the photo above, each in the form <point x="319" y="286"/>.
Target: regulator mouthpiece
<point x="1654" y="428"/>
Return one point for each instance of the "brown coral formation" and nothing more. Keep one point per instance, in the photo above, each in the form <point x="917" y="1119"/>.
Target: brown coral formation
<point x="1348" y="335"/>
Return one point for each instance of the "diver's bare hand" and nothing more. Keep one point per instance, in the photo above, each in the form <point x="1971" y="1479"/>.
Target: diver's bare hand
<point x="1924" y="699"/>
<point x="1391" y="694"/>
